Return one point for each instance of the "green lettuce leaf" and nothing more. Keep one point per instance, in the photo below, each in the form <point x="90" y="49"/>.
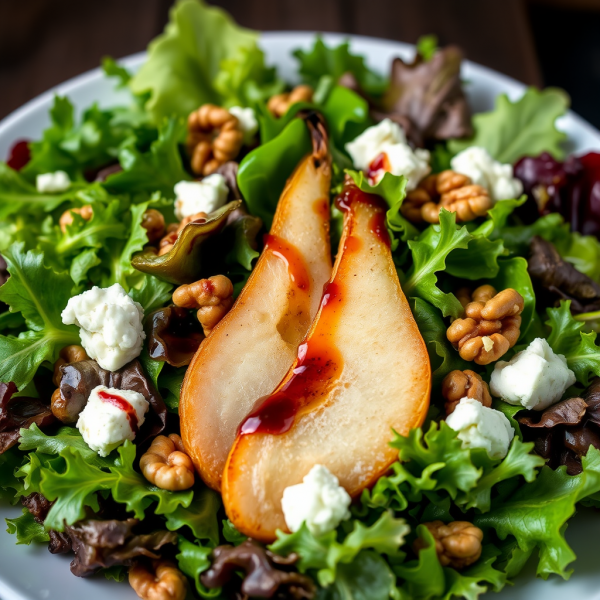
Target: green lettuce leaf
<point x="264" y="171"/>
<point x="27" y="529"/>
<point x="567" y="338"/>
<point x="152" y="294"/>
<point x="322" y="60"/>
<point x="200" y="516"/>
<point x="66" y="437"/>
<point x="425" y="578"/>
<point x="72" y="481"/>
<point x="231" y="534"/>
<point x="77" y="147"/>
<point x="193" y="560"/>
<point x="326" y="554"/>
<point x="525" y="127"/>
<point x="17" y="195"/>
<point x="202" y="56"/>
<point x="40" y="295"/>
<point x="536" y="514"/>
<point x="427" y="46"/>
<point x="158" y="169"/>
<point x="442" y="355"/>
<point x="429" y="253"/>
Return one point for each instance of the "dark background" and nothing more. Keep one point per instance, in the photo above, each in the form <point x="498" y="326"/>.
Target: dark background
<point x="539" y="42"/>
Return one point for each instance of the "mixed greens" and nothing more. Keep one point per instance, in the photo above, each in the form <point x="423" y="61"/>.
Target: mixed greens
<point x="126" y="160"/>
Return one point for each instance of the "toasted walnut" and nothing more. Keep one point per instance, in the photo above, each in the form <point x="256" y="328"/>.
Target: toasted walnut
<point x="164" y="582"/>
<point x="166" y="464"/>
<point x="464" y="384"/>
<point x="280" y="103"/>
<point x="214" y="137"/>
<point x="85" y="212"/>
<point x="213" y="297"/>
<point x="154" y="224"/>
<point x="458" y="544"/>
<point x="449" y="190"/>
<point x="491" y="325"/>
<point x="174" y="229"/>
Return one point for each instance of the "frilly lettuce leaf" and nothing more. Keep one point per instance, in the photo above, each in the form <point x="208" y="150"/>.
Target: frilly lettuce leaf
<point x="200" y="516"/>
<point x="536" y="514"/>
<point x="202" y="57"/>
<point x="425" y="578"/>
<point x="158" y="169"/>
<point x="434" y="465"/>
<point x="429" y="254"/>
<point x="326" y="554"/>
<point x="71" y="480"/>
<point x="567" y="338"/>
<point x="442" y="356"/>
<point x="323" y="60"/>
<point x="27" y="529"/>
<point x="525" y="127"/>
<point x="77" y="147"/>
<point x="40" y="295"/>
<point x="193" y="560"/>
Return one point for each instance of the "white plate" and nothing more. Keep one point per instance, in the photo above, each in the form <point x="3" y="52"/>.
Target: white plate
<point x="30" y="572"/>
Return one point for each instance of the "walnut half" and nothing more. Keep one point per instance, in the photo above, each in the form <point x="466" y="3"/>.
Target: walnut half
<point x="490" y="327"/>
<point x="458" y="544"/>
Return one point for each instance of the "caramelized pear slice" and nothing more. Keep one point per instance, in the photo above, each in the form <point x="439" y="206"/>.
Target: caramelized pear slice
<point x="251" y="349"/>
<point x="361" y="372"/>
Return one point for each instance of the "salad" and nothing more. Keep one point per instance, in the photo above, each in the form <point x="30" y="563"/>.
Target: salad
<point x="330" y="340"/>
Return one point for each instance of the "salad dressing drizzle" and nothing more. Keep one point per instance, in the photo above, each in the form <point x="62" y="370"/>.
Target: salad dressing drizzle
<point x="292" y="259"/>
<point x="319" y="363"/>
<point x="380" y="163"/>
<point x="123" y="405"/>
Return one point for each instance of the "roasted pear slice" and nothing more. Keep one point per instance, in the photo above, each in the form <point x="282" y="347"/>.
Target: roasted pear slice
<point x="251" y="349"/>
<point x="361" y="372"/>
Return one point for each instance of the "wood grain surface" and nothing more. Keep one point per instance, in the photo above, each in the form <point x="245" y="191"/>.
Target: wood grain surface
<point x="45" y="42"/>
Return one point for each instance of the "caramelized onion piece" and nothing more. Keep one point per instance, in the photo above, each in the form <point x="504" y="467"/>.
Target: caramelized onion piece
<point x="20" y="413"/>
<point x="262" y="579"/>
<point x="174" y="335"/>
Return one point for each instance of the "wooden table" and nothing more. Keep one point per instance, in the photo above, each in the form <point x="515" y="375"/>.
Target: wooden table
<point x="45" y="42"/>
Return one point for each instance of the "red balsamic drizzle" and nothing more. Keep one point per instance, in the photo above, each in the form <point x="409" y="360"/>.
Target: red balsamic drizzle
<point x="379" y="163"/>
<point x="378" y="228"/>
<point x="20" y="155"/>
<point x="291" y="257"/>
<point x="123" y="405"/>
<point x="318" y="365"/>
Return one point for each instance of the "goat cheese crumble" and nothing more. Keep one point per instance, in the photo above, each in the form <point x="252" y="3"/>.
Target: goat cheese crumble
<point x="200" y="196"/>
<point x="320" y="501"/>
<point x="481" y="427"/>
<point x="535" y="377"/>
<point x="495" y="177"/>
<point x="387" y="137"/>
<point x="105" y="422"/>
<point x="52" y="183"/>
<point x="110" y="325"/>
<point x="247" y="120"/>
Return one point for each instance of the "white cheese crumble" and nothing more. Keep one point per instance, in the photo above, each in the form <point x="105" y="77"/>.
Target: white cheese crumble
<point x="110" y="325"/>
<point x="52" y="183"/>
<point x="104" y="425"/>
<point x="387" y="137"/>
<point x="247" y="120"/>
<point x="481" y="427"/>
<point x="200" y="196"/>
<point x="319" y="501"/>
<point x="534" y="377"/>
<point x="495" y="177"/>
